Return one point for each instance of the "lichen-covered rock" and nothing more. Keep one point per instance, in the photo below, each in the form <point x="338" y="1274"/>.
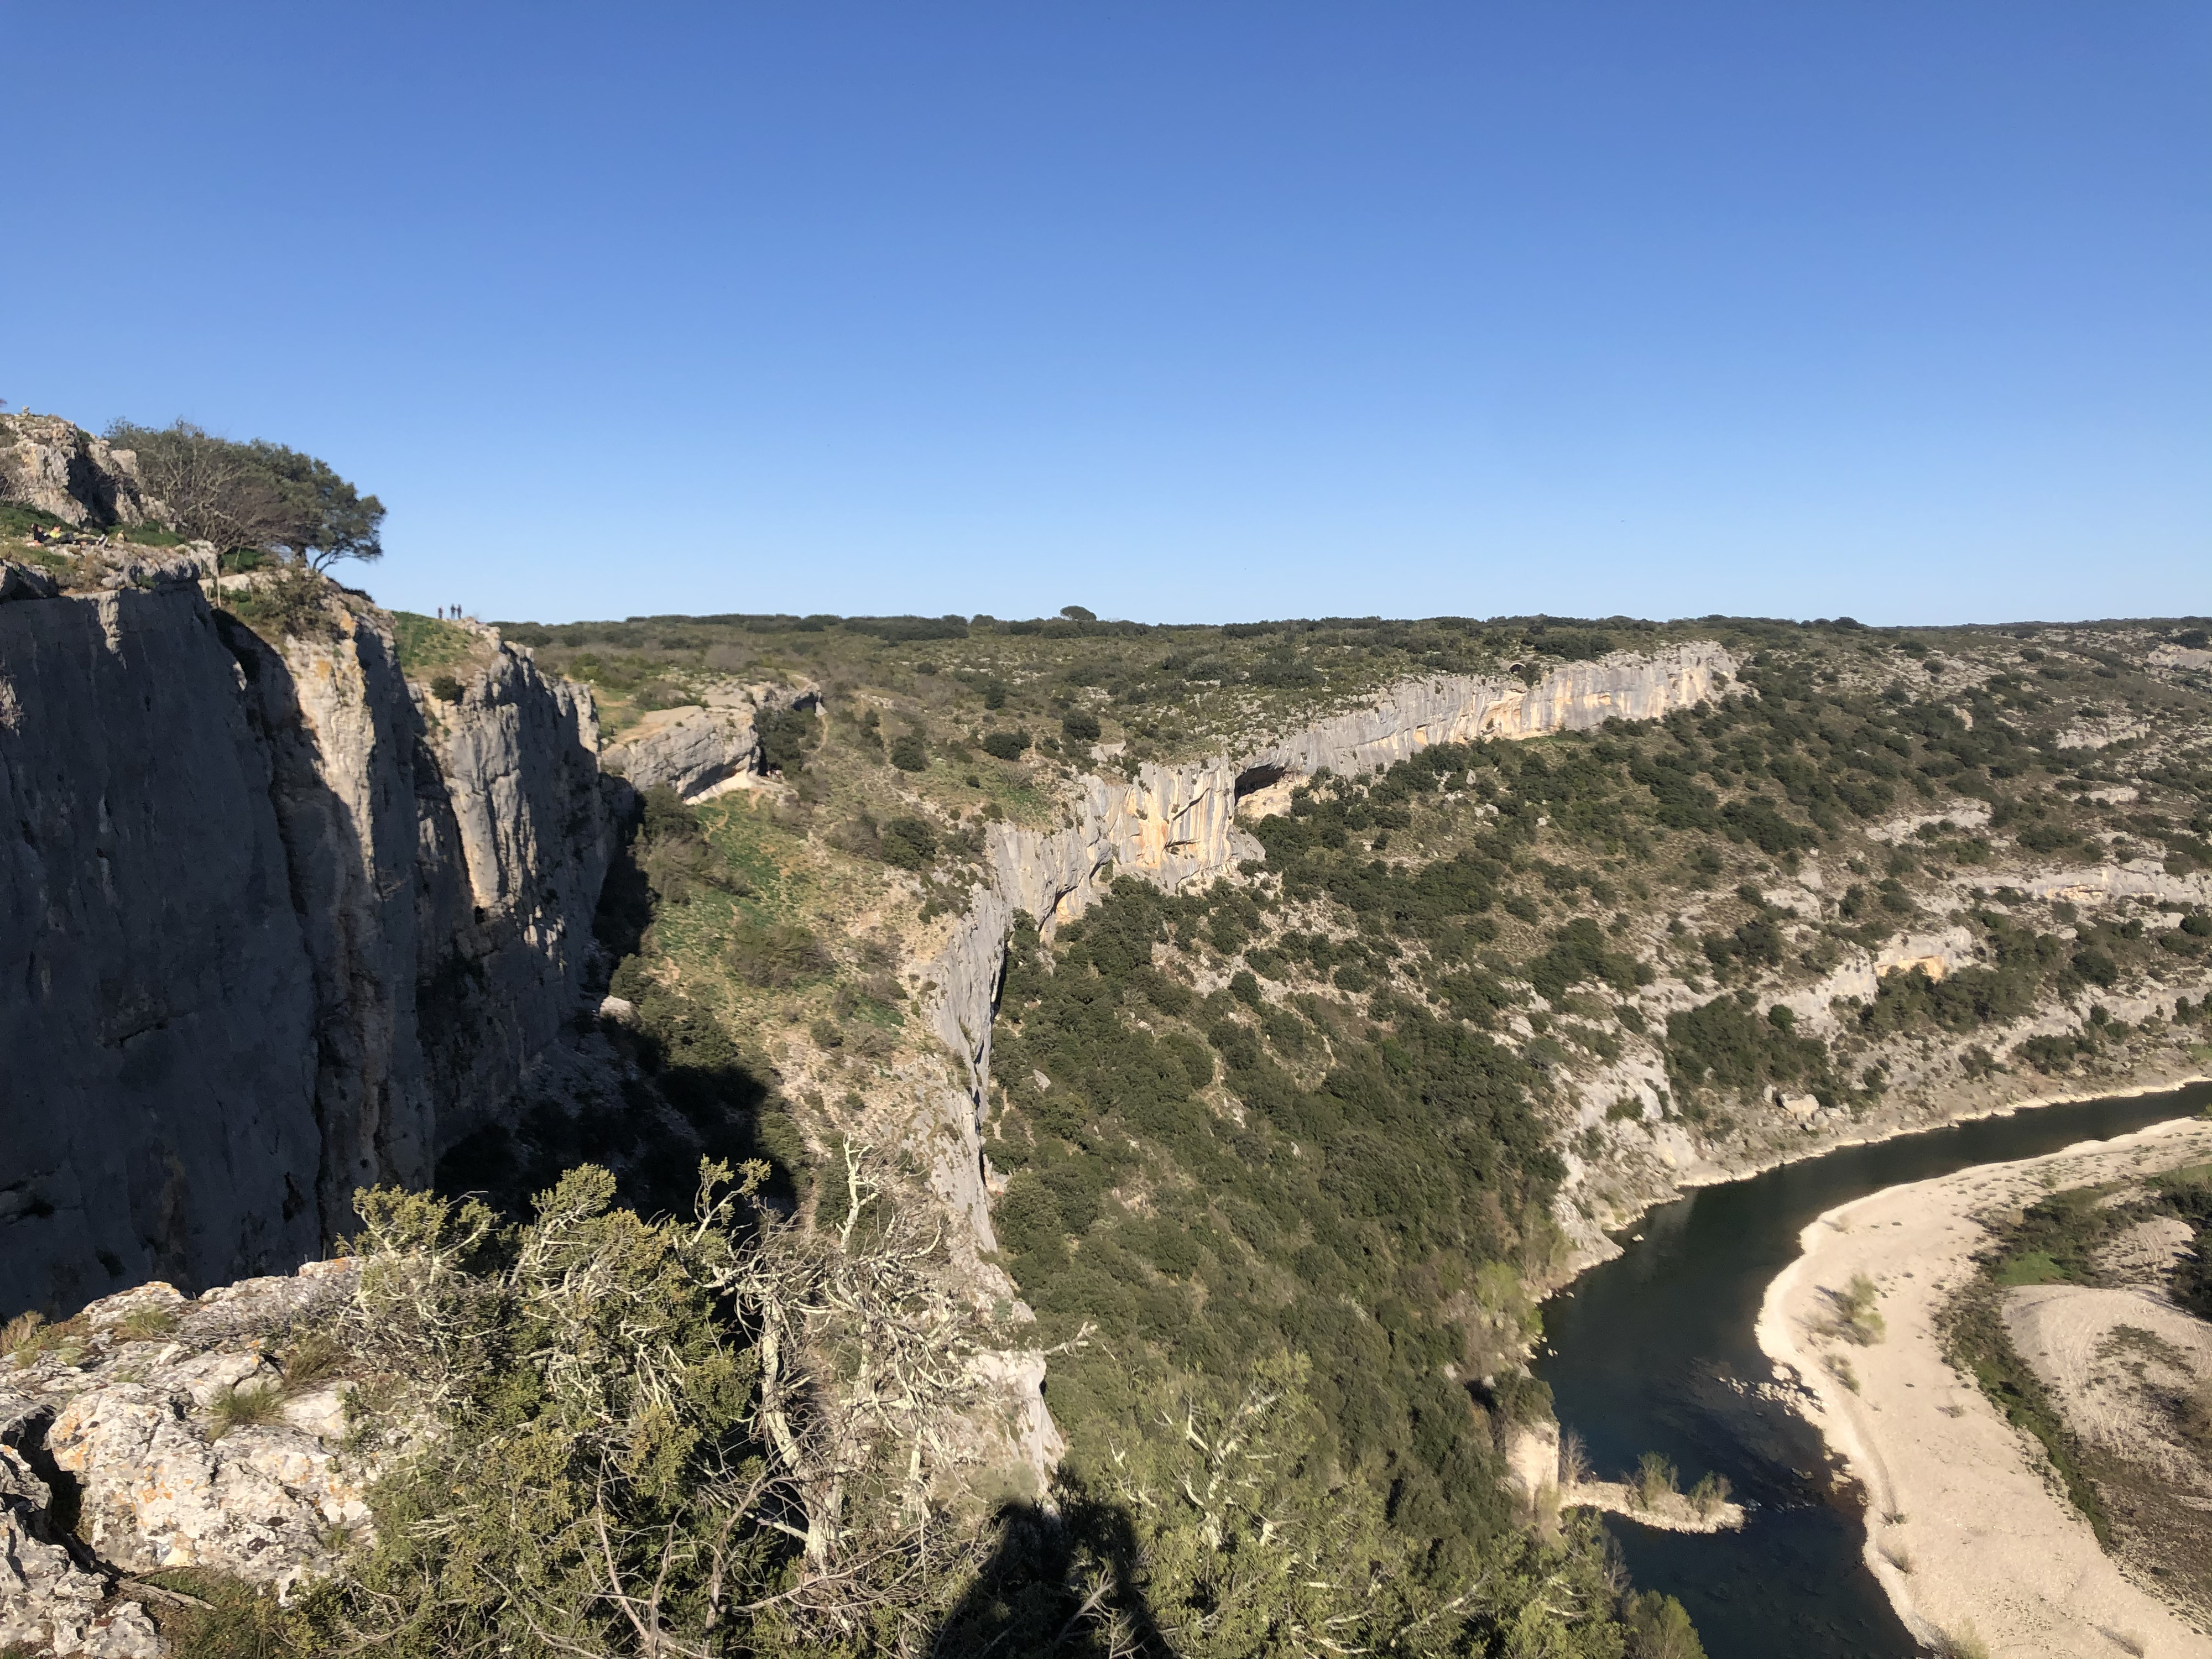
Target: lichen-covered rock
<point x="48" y="1603"/>
<point x="257" y="1504"/>
<point x="124" y="1404"/>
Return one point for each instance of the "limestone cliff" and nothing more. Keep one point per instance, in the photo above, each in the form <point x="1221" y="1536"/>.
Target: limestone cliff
<point x="1176" y="824"/>
<point x="1173" y="824"/>
<point x="1461" y="709"/>
<point x="280" y="928"/>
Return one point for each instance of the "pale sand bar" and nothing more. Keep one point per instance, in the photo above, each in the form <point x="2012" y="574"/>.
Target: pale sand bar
<point x="1991" y="1548"/>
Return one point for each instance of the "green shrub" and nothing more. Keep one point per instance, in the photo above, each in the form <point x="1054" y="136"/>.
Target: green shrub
<point x="1711" y="1495"/>
<point x="1006" y="745"/>
<point x="290" y="602"/>
<point x="1660" y="1628"/>
<point x="908" y="754"/>
<point x="788" y="736"/>
<point x="1723" y="1044"/>
<point x="1578" y="954"/>
<point x="1079" y="725"/>
<point x="775" y="954"/>
<point x="245" y="1407"/>
<point x="1858" y="1319"/>
<point x="1655" y="1479"/>
<point x="908" y="843"/>
<point x="655" y="1409"/>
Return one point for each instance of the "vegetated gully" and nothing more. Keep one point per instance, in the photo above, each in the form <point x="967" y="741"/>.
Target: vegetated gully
<point x="1654" y="1351"/>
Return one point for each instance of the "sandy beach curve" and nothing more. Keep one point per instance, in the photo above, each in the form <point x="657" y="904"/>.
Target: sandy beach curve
<point x="1964" y="1531"/>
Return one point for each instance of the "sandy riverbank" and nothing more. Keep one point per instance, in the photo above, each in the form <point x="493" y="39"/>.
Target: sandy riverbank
<point x="1963" y="1531"/>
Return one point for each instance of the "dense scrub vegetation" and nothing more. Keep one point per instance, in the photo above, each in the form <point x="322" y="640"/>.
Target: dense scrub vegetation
<point x="740" y="1432"/>
<point x="1311" y="1112"/>
<point x="1369" y="1221"/>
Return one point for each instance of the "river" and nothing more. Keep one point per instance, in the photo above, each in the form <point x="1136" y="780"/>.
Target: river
<point x="1655" y="1352"/>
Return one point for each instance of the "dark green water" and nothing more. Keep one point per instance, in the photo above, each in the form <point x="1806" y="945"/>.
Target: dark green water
<point x="1655" y="1351"/>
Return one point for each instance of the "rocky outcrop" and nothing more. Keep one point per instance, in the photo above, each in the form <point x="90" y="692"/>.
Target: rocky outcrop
<point x="58" y="467"/>
<point x="48" y="1602"/>
<point x="1175" y="824"/>
<point x="1169" y="824"/>
<point x="2102" y="884"/>
<point x="122" y="1410"/>
<point x="2181" y="657"/>
<point x="705" y="749"/>
<point x="282" y="929"/>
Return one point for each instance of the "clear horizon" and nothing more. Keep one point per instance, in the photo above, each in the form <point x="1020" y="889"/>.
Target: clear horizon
<point x="1590" y="310"/>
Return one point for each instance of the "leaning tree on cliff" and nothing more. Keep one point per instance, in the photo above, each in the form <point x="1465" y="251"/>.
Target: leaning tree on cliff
<point x="256" y="496"/>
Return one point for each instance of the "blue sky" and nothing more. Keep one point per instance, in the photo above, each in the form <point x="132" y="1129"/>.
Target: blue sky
<point x="1183" y="313"/>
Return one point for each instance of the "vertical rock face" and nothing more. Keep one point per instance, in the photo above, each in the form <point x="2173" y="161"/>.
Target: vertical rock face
<point x="1459" y="708"/>
<point x="157" y="1031"/>
<point x="1173" y="824"/>
<point x="276" y="931"/>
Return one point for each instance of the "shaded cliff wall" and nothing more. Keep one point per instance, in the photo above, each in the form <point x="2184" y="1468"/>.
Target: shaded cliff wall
<point x="157" y="1031"/>
<point x="280" y="930"/>
<point x="1174" y="824"/>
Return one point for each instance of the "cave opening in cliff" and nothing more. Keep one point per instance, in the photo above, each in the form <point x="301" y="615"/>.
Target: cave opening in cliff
<point x="1254" y="778"/>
